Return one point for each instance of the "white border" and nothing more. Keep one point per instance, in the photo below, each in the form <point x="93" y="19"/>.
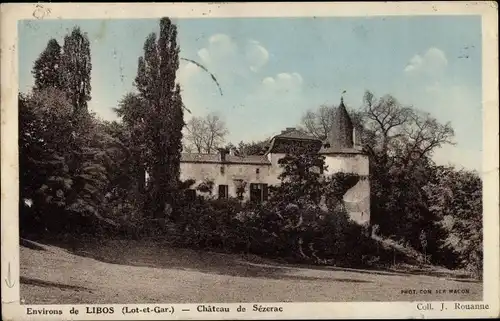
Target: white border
<point x="11" y="13"/>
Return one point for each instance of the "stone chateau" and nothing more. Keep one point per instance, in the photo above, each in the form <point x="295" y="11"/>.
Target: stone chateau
<point x="249" y="176"/>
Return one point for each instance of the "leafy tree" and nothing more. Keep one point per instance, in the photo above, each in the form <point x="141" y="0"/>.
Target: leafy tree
<point x="156" y="84"/>
<point x="455" y="199"/>
<point x="60" y="190"/>
<point x="133" y="111"/>
<point x="301" y="181"/>
<point x="46" y="70"/>
<point x="45" y="178"/>
<point x="401" y="133"/>
<point x="400" y="141"/>
<point x="57" y="141"/>
<point x="123" y="203"/>
<point x="75" y="69"/>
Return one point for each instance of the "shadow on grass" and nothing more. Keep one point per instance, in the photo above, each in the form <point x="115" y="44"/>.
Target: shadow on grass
<point x="463" y="280"/>
<point x="154" y="255"/>
<point x="37" y="282"/>
<point x="387" y="271"/>
<point x="459" y="277"/>
<point x="31" y="245"/>
<point x="353" y="270"/>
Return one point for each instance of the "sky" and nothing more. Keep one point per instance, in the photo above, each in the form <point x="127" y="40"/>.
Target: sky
<point x="272" y="70"/>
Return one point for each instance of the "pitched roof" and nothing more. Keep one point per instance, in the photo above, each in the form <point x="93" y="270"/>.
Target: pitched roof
<point x="232" y="159"/>
<point x="293" y="133"/>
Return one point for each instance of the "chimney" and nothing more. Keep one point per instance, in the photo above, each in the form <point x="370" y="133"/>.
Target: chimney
<point x="223" y="152"/>
<point x="287" y="130"/>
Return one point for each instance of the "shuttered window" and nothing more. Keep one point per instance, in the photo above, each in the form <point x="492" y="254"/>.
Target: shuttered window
<point x="258" y="192"/>
<point x="223" y="191"/>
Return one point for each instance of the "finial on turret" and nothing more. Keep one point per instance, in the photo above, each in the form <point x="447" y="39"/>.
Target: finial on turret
<point x="342" y="97"/>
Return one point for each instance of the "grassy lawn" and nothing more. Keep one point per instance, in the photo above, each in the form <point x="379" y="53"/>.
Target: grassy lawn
<point x="144" y="272"/>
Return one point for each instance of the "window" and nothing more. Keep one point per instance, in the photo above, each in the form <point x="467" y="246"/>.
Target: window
<point x="257" y="171"/>
<point x="223" y="191"/>
<point x="222" y="170"/>
<point x="258" y="193"/>
<point x="321" y="169"/>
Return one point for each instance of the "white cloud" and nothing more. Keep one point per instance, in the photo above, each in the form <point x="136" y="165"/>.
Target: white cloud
<point x="204" y="55"/>
<point x="431" y="63"/>
<point x="283" y="82"/>
<point x="220" y="47"/>
<point x="256" y="55"/>
<point x="274" y="95"/>
<point x="227" y="55"/>
<point x="415" y="63"/>
<point x="237" y="65"/>
<point x="233" y="63"/>
<point x="268" y="81"/>
<point x="185" y="72"/>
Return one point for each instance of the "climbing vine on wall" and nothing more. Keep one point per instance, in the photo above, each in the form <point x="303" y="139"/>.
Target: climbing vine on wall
<point x="207" y="186"/>
<point x="240" y="188"/>
<point x="338" y="185"/>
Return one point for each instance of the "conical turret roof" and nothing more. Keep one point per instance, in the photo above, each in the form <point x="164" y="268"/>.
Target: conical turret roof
<point x="341" y="134"/>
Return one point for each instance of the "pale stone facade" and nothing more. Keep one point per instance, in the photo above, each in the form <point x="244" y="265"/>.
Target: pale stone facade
<point x="229" y="173"/>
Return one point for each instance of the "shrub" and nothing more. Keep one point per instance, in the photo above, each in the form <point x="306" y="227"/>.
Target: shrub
<point x="309" y="234"/>
<point x="293" y="224"/>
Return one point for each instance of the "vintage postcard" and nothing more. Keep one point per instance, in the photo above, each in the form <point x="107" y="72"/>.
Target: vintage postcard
<point x="249" y="161"/>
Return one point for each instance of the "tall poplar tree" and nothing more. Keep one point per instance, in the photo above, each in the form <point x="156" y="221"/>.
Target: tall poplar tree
<point x="133" y="112"/>
<point x="46" y="69"/>
<point x="76" y="67"/>
<point x="164" y="122"/>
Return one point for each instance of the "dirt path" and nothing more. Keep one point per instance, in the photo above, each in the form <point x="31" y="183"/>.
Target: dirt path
<point x="125" y="273"/>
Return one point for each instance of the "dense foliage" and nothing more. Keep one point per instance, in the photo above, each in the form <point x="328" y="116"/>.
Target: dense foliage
<point x="46" y="72"/>
<point x="75" y="69"/>
<point x="455" y="202"/>
<point x="64" y="164"/>
<point x="79" y="174"/>
<point x="164" y="122"/>
<point x="295" y="223"/>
